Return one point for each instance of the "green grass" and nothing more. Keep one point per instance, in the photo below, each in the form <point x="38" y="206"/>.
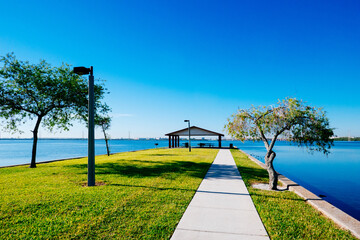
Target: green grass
<point x="143" y="196"/>
<point x="284" y="214"/>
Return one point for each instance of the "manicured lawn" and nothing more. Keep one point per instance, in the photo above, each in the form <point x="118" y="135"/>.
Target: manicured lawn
<point x="143" y="196"/>
<point x="284" y="214"/>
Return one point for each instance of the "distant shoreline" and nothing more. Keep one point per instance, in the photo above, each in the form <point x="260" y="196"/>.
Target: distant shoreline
<point x="347" y="139"/>
<point x="159" y="139"/>
<point x="339" y="139"/>
<point x="128" y="139"/>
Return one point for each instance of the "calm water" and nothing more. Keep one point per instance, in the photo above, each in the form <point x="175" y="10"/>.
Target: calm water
<point x="336" y="176"/>
<point x="19" y="151"/>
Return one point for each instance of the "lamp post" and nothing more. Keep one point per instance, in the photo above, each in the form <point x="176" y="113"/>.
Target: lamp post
<point x="91" y="125"/>
<point x="188" y="121"/>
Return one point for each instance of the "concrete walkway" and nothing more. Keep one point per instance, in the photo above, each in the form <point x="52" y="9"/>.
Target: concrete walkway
<point x="222" y="207"/>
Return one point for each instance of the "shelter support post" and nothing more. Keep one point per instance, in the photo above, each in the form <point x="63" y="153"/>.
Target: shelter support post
<point x="169" y="141"/>
<point x="172" y="141"/>
<point x="219" y="141"/>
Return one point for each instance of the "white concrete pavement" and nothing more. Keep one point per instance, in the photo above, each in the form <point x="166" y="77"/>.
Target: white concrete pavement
<point x="222" y="207"/>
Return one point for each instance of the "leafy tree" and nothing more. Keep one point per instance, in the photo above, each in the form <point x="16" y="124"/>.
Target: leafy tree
<point x="291" y="119"/>
<point x="104" y="122"/>
<point x="53" y="96"/>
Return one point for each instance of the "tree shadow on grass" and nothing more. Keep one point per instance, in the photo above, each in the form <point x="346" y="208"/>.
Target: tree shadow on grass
<point x="250" y="174"/>
<point x="253" y="174"/>
<point x="162" y="154"/>
<point x="152" y="187"/>
<point x="140" y="168"/>
<point x="277" y="197"/>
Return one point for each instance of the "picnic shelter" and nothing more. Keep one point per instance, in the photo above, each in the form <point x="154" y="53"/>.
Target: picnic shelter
<point x="174" y="137"/>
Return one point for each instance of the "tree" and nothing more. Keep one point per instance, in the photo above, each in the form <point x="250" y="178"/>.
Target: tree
<point x="53" y="96"/>
<point x="291" y="119"/>
<point x="104" y="122"/>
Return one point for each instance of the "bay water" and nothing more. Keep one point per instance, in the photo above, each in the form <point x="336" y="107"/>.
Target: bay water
<point x="337" y="176"/>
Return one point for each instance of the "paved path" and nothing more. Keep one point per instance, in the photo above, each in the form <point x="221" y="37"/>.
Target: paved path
<point x="221" y="207"/>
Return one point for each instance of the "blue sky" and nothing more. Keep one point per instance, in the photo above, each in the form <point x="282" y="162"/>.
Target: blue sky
<point x="166" y="61"/>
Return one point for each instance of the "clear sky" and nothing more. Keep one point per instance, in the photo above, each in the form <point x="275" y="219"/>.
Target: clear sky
<point x="166" y="61"/>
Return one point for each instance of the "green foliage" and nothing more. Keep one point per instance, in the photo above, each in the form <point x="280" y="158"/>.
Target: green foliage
<point x="54" y="94"/>
<point x="285" y="215"/>
<point x="291" y="119"/>
<point x="103" y="121"/>
<point x="143" y="196"/>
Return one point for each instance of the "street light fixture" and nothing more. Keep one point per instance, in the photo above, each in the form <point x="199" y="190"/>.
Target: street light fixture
<point x="188" y="121"/>
<point x="91" y="136"/>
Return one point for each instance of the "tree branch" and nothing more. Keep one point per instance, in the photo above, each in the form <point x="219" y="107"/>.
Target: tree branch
<point x="278" y="133"/>
<point x="13" y="105"/>
<point x="272" y="144"/>
<point x="266" y="142"/>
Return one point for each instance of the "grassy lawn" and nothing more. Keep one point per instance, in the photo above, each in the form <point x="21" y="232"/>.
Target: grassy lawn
<point x="143" y="196"/>
<point x="284" y="214"/>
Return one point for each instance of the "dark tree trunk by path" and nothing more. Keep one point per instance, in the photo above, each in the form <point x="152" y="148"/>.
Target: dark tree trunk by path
<point x="273" y="176"/>
<point x="35" y="139"/>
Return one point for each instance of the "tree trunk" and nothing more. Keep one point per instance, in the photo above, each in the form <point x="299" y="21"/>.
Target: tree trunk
<point x="107" y="146"/>
<point x="273" y="176"/>
<point x="106" y="141"/>
<point x="35" y="139"/>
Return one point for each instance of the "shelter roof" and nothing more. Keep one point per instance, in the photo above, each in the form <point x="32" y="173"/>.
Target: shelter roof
<point x="194" y="131"/>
